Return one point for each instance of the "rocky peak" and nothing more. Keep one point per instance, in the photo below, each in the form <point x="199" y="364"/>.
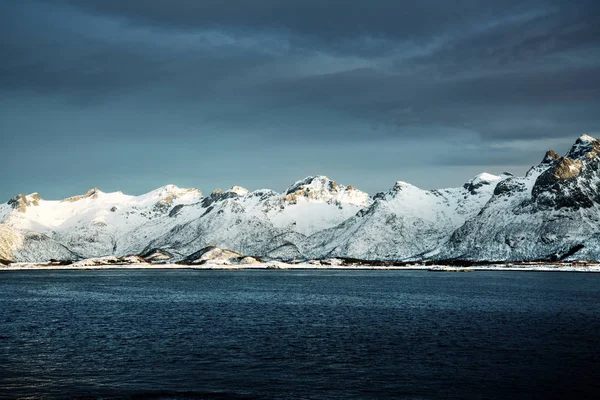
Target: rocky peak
<point x="560" y="186"/>
<point x="399" y="187"/>
<point x="90" y="194"/>
<point x="312" y="184"/>
<point x="220" y="195"/>
<point x="20" y="202"/>
<point x="236" y="190"/>
<point x="263" y="194"/>
<point x="550" y="157"/>
<point x="321" y="188"/>
<point x="567" y="168"/>
<point x="168" y="194"/>
<point x="479" y="181"/>
<point x="585" y="147"/>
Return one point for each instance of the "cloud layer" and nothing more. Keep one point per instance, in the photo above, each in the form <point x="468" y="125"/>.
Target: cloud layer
<point x="461" y="86"/>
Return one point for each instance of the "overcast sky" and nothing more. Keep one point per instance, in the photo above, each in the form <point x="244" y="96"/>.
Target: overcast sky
<point x="132" y="95"/>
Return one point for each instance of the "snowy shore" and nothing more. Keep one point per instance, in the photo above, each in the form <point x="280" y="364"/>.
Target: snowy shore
<point x="307" y="266"/>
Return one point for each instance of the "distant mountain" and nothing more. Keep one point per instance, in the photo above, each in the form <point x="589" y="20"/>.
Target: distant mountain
<point x="550" y="213"/>
<point x="405" y="222"/>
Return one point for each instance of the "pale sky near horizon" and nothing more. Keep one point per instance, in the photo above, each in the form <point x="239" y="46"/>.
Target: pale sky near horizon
<point x="138" y="94"/>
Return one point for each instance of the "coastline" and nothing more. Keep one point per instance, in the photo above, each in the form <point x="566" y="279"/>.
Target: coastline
<point x="591" y="268"/>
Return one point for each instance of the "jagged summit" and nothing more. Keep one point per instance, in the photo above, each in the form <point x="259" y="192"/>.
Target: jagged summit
<point x="322" y="189"/>
<point x="481" y="180"/>
<point x="400" y="185"/>
<point x="585" y="150"/>
<point x="551" y="211"/>
<point x="395" y="191"/>
<point x="90" y="194"/>
<point x="313" y="182"/>
<point x="20" y="202"/>
<point x="550" y="157"/>
<point x="585" y="146"/>
<point x="235" y="190"/>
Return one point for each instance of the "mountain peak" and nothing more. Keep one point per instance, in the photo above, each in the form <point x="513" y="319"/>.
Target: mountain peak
<point x="586" y="138"/>
<point x="550" y="156"/>
<point x="240" y="191"/>
<point x="319" y="182"/>
<point x="170" y="188"/>
<point x="485" y="177"/>
<point x="20" y="202"/>
<point x="235" y="190"/>
<point x="92" y="193"/>
<point x="399" y="185"/>
<point x="172" y="191"/>
<point x="322" y="189"/>
<point x="163" y="191"/>
<point x="481" y="180"/>
<point x="585" y="146"/>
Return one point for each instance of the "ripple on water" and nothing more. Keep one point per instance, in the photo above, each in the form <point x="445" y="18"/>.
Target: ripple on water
<point x="284" y="334"/>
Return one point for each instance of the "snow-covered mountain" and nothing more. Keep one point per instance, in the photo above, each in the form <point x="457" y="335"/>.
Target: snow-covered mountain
<point x="175" y="220"/>
<point x="405" y="222"/>
<point x="553" y="211"/>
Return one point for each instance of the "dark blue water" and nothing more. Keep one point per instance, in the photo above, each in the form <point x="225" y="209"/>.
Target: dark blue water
<point x="309" y="334"/>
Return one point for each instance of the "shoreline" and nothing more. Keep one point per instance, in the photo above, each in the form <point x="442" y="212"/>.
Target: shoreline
<point x="592" y="268"/>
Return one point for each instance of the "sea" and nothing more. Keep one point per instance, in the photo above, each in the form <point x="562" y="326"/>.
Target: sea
<point x="310" y="334"/>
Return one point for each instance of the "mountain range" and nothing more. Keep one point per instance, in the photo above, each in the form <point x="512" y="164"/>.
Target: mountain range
<point x="551" y="213"/>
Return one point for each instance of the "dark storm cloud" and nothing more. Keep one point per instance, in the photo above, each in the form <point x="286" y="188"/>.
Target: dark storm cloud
<point x="329" y="19"/>
<point x="98" y="58"/>
<point x="299" y="72"/>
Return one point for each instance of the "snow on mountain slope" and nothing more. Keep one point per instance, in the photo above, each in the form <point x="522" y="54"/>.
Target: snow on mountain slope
<point x="19" y="245"/>
<point x="183" y="221"/>
<point x="97" y="223"/>
<point x="313" y="204"/>
<point x="216" y="255"/>
<point x="227" y="220"/>
<point x="554" y="211"/>
<point x="258" y="222"/>
<point x="404" y="222"/>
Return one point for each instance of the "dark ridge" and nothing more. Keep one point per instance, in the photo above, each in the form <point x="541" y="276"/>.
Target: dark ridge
<point x="199" y="253"/>
<point x="153" y="250"/>
<point x="175" y="210"/>
<point x="572" y="250"/>
<point x="209" y="209"/>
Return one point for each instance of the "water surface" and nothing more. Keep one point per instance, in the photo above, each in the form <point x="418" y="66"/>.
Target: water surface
<point x="299" y="334"/>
